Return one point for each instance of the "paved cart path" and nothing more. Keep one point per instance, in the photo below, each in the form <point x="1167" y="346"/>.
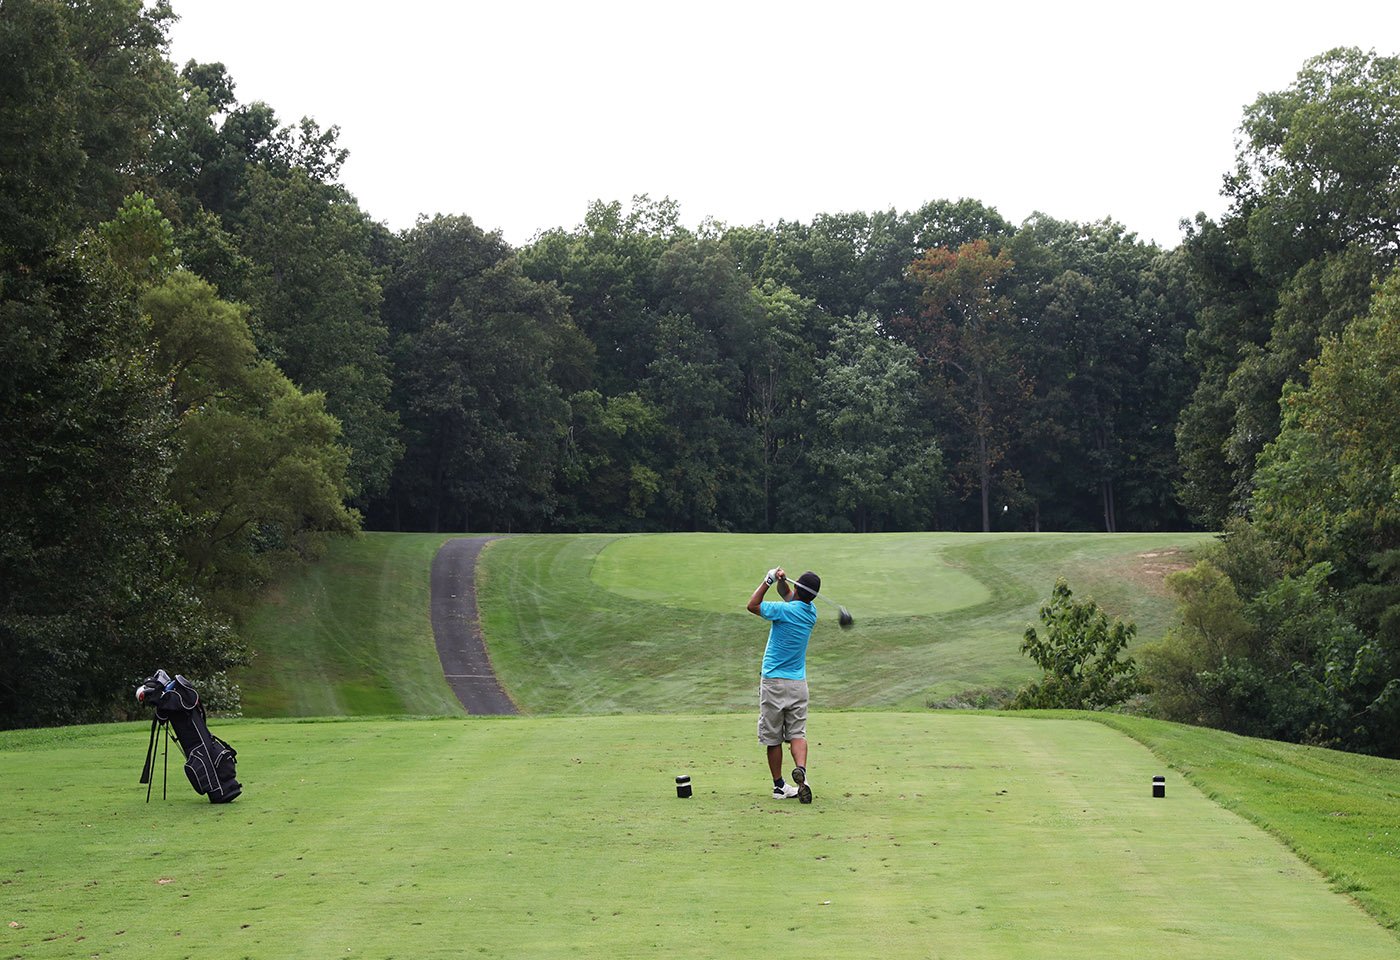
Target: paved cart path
<point x="457" y="628"/>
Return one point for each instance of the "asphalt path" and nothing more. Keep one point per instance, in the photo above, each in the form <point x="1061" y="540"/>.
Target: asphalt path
<point x="457" y="628"/>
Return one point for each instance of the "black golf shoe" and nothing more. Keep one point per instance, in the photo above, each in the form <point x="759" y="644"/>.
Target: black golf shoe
<point x="804" y="789"/>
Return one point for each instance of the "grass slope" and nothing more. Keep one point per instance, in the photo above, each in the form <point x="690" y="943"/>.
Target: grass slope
<point x="598" y="624"/>
<point x="933" y="835"/>
<point x="1338" y="811"/>
<point x="350" y="635"/>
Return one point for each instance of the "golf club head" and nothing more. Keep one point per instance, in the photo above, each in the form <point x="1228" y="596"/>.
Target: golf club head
<point x="845" y="619"/>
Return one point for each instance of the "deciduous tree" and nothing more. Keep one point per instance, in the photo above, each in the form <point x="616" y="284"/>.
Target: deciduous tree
<point x="964" y="335"/>
<point x="1082" y="656"/>
<point x="1313" y="220"/>
<point x="258" y="471"/>
<point x="315" y="296"/>
<point x="91" y="596"/>
<point x="873" y="463"/>
<point x="484" y="358"/>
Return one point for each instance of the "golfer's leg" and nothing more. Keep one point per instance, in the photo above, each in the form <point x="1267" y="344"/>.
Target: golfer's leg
<point x="797" y="726"/>
<point x="770" y="727"/>
<point x="799" y="753"/>
<point x="775" y="760"/>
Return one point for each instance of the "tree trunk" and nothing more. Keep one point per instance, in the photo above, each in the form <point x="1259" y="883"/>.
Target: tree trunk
<point x="1101" y="442"/>
<point x="986" y="499"/>
<point x="766" y="406"/>
<point x="439" y="480"/>
<point x="984" y="470"/>
<point x="984" y="465"/>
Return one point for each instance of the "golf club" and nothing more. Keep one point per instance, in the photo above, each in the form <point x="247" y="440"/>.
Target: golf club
<point x="843" y="617"/>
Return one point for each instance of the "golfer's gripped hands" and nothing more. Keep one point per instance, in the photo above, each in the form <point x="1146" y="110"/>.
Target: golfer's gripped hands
<point x="779" y="574"/>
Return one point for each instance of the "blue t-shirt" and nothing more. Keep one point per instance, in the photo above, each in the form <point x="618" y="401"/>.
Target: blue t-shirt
<point x="785" y="657"/>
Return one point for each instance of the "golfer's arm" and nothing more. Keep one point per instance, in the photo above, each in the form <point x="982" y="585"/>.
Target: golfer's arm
<point x="757" y="599"/>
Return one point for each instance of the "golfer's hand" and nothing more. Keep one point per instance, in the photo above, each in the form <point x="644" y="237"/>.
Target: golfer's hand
<point x="778" y="574"/>
<point x="771" y="575"/>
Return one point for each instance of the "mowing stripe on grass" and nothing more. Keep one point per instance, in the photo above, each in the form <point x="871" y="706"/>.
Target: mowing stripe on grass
<point x="601" y="623"/>
<point x="871" y="572"/>
<point x="932" y="835"/>
<point x="1338" y="811"/>
<point x="349" y="635"/>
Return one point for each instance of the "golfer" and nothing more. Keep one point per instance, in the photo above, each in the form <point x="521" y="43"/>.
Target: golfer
<point x="782" y="690"/>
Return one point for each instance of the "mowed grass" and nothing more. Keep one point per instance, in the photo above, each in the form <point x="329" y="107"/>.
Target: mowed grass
<point x="1338" y="811"/>
<point x="656" y="623"/>
<point x="933" y="834"/>
<point x="349" y="635"/>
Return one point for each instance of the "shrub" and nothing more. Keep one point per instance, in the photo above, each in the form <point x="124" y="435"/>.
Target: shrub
<point x="1080" y="657"/>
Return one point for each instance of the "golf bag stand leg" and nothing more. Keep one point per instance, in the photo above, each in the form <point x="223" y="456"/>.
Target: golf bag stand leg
<point x="150" y="757"/>
<point x="148" y="770"/>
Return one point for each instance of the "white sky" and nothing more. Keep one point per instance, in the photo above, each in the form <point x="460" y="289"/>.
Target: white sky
<point x="520" y="114"/>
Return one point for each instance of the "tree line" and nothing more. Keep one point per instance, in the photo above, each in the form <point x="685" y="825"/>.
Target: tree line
<point x="862" y="372"/>
<point x="1289" y="626"/>
<point x="216" y="358"/>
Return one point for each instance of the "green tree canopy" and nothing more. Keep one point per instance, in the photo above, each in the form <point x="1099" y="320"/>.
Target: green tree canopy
<point x="315" y="294"/>
<point x="484" y="358"/>
<point x="875" y="466"/>
<point x="964" y="335"/>
<point x="1328" y="486"/>
<point x="258" y="470"/>
<point x="1314" y="219"/>
<point x="1103" y="318"/>
<point x="83" y="91"/>
<point x="92" y="599"/>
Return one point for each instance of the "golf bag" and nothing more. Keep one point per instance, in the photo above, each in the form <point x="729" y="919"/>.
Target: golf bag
<point x="209" y="762"/>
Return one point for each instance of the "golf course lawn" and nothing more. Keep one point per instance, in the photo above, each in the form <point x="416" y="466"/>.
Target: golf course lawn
<point x="933" y="834"/>
<point x="349" y="635"/>
<point x="656" y="623"/>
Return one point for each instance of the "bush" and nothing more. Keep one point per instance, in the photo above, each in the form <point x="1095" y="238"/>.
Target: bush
<point x="1080" y="657"/>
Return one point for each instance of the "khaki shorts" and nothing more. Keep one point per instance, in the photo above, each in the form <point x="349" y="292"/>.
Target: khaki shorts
<point x="782" y="711"/>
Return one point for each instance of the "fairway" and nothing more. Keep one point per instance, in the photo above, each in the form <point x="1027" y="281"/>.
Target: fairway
<point x="933" y="835"/>
<point x="656" y="622"/>
<point x="887" y="575"/>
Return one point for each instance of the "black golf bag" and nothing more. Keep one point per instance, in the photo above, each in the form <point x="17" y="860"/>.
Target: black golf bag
<point x="209" y="762"/>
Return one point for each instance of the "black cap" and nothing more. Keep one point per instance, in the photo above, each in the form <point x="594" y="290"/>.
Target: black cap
<point x="810" y="584"/>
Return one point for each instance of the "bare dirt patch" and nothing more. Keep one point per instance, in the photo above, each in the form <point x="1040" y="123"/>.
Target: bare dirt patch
<point x="1149" y="570"/>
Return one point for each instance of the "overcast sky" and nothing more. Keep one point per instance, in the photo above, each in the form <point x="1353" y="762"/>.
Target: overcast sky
<point x="520" y="114"/>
